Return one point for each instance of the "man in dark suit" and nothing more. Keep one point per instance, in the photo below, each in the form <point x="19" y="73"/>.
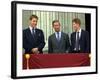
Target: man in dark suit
<point x="79" y="39"/>
<point x="33" y="38"/>
<point x="58" y="42"/>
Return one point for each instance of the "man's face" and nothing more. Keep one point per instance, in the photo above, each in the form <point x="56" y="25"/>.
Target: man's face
<point x="33" y="22"/>
<point x="76" y="26"/>
<point x="56" y="26"/>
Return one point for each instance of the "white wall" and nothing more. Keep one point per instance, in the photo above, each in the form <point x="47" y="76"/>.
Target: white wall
<point x="5" y="40"/>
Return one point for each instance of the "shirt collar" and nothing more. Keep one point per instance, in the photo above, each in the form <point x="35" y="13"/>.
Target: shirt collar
<point x="31" y="28"/>
<point x="57" y="32"/>
<point x="80" y="30"/>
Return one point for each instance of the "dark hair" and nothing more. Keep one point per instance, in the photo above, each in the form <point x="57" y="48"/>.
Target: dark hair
<point x="33" y="16"/>
<point x="55" y="21"/>
<point x="77" y="21"/>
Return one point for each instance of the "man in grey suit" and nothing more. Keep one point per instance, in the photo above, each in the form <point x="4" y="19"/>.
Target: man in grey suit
<point x="58" y="42"/>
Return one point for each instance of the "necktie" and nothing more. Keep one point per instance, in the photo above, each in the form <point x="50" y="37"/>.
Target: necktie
<point x="77" y="42"/>
<point x="33" y="32"/>
<point x="58" y="38"/>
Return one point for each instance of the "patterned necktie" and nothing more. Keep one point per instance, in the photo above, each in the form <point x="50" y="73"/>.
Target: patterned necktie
<point x="77" y="42"/>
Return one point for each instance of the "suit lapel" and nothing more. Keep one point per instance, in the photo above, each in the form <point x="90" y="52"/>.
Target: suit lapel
<point x="81" y="35"/>
<point x="61" y="39"/>
<point x="36" y="33"/>
<point x="74" y="37"/>
<point x="55" y="40"/>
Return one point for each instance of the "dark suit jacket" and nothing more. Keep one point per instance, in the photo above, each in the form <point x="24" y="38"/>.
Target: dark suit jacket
<point x="61" y="47"/>
<point x="84" y="42"/>
<point x="30" y="42"/>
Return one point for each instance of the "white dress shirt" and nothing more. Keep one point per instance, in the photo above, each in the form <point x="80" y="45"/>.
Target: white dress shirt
<point x="31" y="29"/>
<point x="56" y="33"/>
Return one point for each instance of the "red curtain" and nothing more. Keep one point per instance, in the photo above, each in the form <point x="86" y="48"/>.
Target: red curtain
<point x="37" y="61"/>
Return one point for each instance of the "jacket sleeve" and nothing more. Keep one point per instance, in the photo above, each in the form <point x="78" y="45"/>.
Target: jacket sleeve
<point x="71" y="44"/>
<point x="50" y="50"/>
<point x="42" y="42"/>
<point x="26" y="45"/>
<point x="67" y="43"/>
<point x="87" y="43"/>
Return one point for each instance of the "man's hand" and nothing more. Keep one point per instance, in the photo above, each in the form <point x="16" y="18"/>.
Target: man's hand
<point x="35" y="50"/>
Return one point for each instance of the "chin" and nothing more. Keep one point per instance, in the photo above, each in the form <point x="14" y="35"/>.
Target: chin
<point x="57" y="30"/>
